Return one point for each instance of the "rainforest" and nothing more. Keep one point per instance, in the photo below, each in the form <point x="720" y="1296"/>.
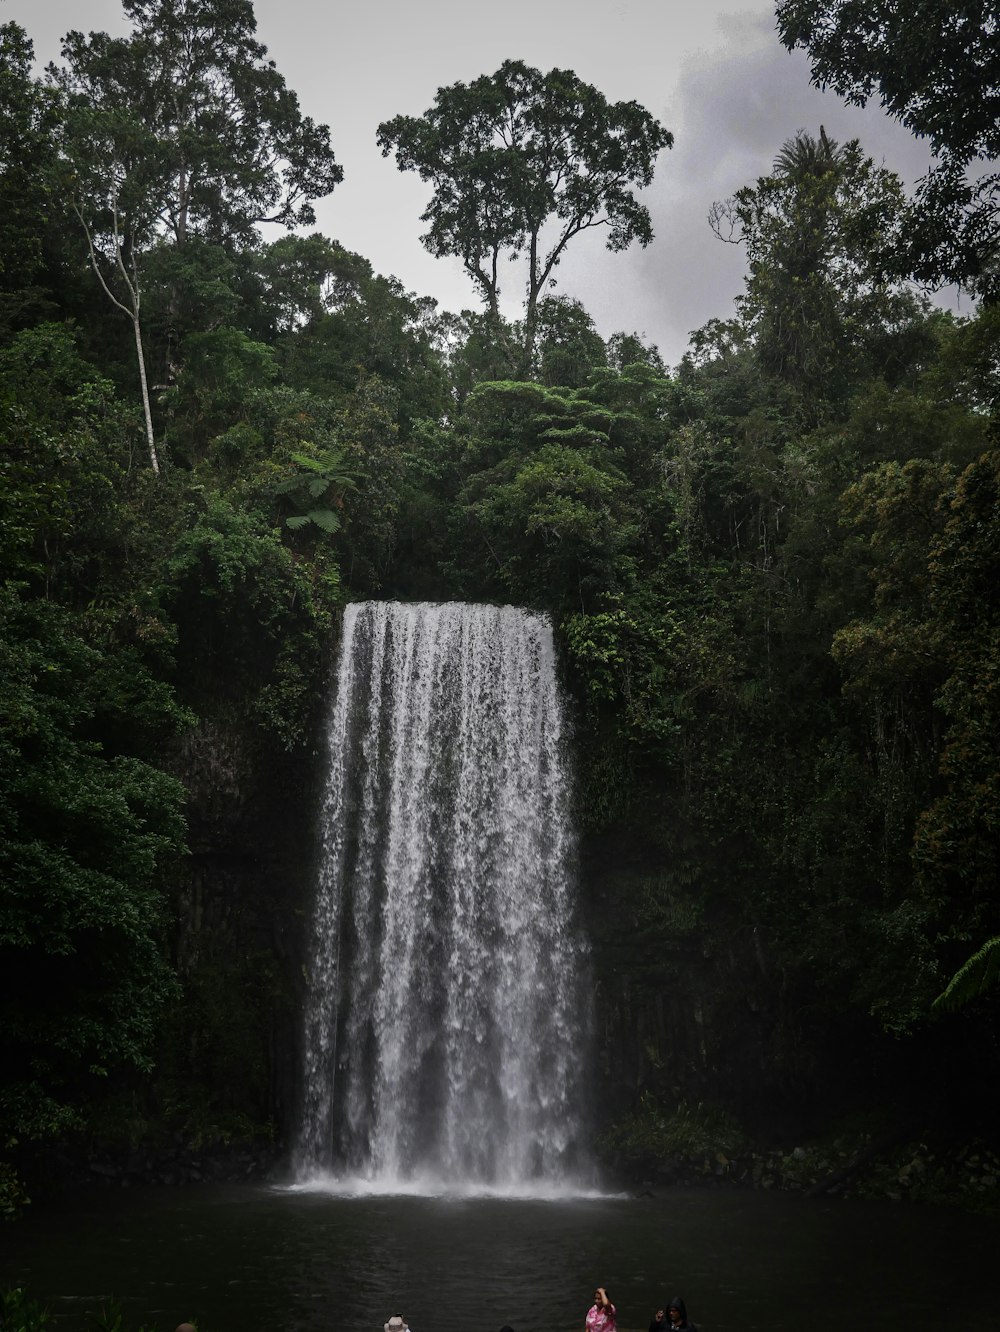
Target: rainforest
<point x="771" y="573"/>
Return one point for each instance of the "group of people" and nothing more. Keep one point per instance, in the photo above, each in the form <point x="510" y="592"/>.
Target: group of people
<point x="603" y="1317"/>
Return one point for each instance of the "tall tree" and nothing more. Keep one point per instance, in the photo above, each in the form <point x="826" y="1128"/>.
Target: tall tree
<point x="817" y="293"/>
<point x="233" y="149"/>
<point x="112" y="163"/>
<point x="522" y="162"/>
<point x="936" y="68"/>
<point x="183" y="128"/>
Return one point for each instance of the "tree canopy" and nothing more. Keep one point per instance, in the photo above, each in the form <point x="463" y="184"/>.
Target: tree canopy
<point x="202" y="135"/>
<point x="936" y="68"/>
<point x="521" y="163"/>
<point x="815" y="232"/>
<point x="183" y="129"/>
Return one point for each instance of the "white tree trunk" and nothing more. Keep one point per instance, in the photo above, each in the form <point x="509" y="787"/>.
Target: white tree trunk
<point x="132" y="310"/>
<point x="140" y="356"/>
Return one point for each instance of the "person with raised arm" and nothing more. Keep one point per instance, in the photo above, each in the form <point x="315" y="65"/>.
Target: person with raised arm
<point x="602" y="1315"/>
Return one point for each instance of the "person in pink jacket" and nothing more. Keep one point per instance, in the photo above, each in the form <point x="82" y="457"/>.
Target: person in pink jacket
<point x="601" y="1316"/>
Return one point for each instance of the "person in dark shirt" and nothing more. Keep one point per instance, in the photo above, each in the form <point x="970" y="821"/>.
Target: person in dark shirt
<point x="658" y="1322"/>
<point x="678" y="1320"/>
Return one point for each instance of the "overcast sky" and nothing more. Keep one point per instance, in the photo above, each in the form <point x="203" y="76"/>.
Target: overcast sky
<point x="712" y="71"/>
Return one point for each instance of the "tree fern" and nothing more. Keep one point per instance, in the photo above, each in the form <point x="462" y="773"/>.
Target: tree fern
<point x="328" y="476"/>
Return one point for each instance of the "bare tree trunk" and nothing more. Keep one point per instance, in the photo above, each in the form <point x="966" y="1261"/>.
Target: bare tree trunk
<point x="132" y="310"/>
<point x="530" y="309"/>
<point x="140" y="356"/>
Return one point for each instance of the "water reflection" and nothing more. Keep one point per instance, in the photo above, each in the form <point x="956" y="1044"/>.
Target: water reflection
<point x="274" y="1261"/>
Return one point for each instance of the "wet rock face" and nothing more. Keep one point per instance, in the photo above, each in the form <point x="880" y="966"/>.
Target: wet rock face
<point x="218" y="768"/>
<point x="676" y="1015"/>
<point x="176" y="1164"/>
<point x="241" y="897"/>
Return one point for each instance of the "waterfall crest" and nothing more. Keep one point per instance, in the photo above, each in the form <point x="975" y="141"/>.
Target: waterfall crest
<point x="447" y="1010"/>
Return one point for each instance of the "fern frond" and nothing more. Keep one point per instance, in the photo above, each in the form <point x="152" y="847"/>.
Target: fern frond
<point x="325" y="519"/>
<point x="979" y="974"/>
<point x="310" y="463"/>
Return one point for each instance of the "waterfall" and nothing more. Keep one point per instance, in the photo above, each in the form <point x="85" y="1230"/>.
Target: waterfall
<point x="447" y="1011"/>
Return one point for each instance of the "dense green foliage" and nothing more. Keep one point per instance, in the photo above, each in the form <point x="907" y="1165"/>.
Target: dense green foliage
<point x="20" y="1313"/>
<point x="87" y="816"/>
<point x="772" y="572"/>
<point x="937" y="68"/>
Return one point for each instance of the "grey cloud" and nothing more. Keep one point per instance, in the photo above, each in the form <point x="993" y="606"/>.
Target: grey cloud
<point x="731" y="114"/>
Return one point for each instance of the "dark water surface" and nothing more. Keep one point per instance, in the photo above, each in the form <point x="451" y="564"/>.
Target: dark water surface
<point x="255" y="1260"/>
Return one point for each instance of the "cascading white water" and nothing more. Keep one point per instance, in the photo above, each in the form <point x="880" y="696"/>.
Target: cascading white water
<point x="447" y="1010"/>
